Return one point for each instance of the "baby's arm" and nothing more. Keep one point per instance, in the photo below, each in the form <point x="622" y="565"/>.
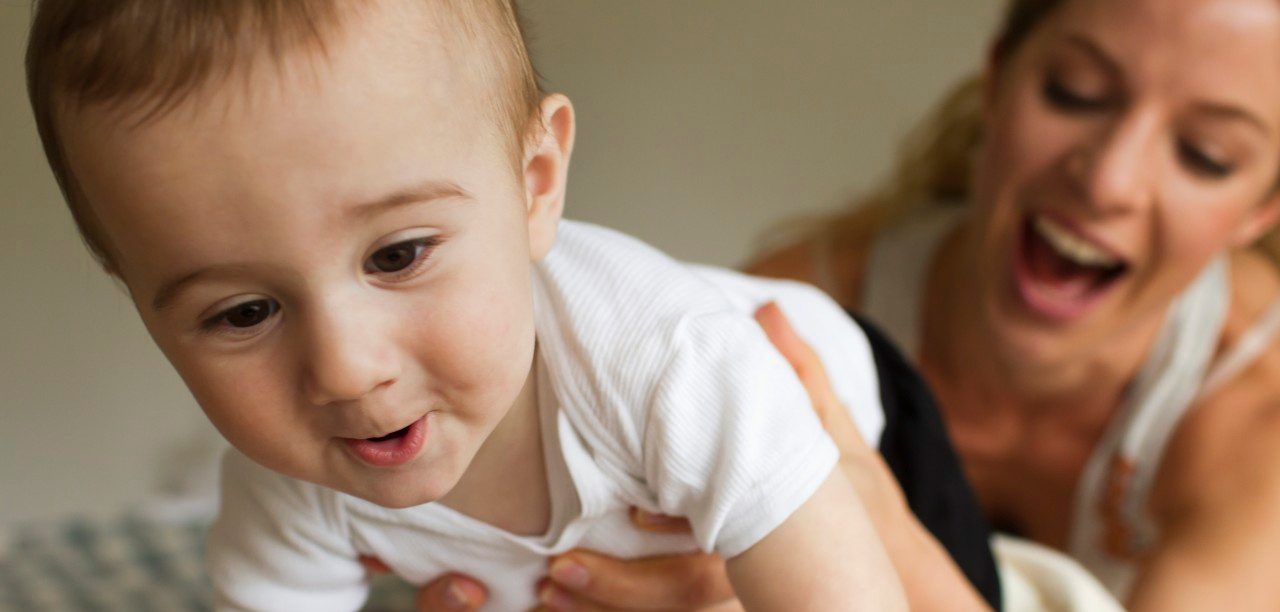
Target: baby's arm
<point x="826" y="556"/>
<point x="732" y="444"/>
<point x="274" y="546"/>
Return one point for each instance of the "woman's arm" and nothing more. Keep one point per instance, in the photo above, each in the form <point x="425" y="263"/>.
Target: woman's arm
<point x="931" y="579"/>
<point x="1220" y="545"/>
<point x="1217" y="497"/>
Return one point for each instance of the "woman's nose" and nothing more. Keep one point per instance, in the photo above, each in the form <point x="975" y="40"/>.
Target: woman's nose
<point x="1114" y="169"/>
<point x="348" y="357"/>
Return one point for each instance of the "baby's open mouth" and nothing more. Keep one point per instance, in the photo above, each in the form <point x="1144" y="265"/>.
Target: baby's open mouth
<point x="399" y="433"/>
<point x="393" y="449"/>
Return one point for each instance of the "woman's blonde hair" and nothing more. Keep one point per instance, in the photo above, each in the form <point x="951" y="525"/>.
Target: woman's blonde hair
<point x="934" y="166"/>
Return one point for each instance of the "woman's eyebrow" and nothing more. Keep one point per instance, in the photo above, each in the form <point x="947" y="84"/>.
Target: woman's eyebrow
<point x="425" y="192"/>
<point x="1232" y="112"/>
<point x="1216" y="108"/>
<point x="1094" y="50"/>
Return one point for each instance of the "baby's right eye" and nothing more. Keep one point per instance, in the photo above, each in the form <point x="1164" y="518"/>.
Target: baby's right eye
<point x="244" y="316"/>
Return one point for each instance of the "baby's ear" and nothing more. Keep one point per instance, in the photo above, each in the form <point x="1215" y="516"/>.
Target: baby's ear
<point x="546" y="172"/>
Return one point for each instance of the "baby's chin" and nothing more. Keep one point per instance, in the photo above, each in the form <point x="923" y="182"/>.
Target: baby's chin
<point x="397" y="491"/>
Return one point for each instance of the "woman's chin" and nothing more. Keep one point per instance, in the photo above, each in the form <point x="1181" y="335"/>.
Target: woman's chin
<point x="1022" y="342"/>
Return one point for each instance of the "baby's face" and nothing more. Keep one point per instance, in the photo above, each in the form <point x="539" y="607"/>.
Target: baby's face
<point x="329" y="251"/>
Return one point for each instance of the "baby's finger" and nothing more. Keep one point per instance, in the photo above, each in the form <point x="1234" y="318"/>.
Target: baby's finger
<point x="687" y="581"/>
<point x="659" y="523"/>
<point x="451" y="593"/>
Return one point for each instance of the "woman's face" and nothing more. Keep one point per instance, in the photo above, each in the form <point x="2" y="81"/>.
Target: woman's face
<point x="1127" y="142"/>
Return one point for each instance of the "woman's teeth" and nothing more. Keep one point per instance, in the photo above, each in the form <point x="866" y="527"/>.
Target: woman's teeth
<point x="1071" y="246"/>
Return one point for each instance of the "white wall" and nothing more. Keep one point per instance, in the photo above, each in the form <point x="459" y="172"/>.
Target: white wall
<point x="701" y="122"/>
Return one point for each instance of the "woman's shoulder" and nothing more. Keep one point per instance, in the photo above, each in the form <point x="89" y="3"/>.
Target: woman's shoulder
<point x="1255" y="291"/>
<point x="834" y="260"/>
<point x="1234" y="434"/>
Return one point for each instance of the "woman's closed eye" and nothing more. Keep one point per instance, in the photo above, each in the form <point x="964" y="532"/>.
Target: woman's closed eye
<point x="1063" y="97"/>
<point x="1202" y="162"/>
<point x="401" y="260"/>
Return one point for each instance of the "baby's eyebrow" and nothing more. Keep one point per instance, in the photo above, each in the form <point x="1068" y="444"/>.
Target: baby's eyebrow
<point x="418" y="194"/>
<point x="170" y="290"/>
<point x="425" y="192"/>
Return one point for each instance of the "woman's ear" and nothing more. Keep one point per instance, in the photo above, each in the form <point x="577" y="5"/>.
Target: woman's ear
<point x="1259" y="221"/>
<point x="546" y="172"/>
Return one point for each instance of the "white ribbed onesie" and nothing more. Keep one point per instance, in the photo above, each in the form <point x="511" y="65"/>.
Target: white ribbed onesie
<point x="656" y="389"/>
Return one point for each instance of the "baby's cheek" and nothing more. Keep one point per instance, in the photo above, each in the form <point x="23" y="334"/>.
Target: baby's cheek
<point x="253" y="404"/>
<point x="483" y="343"/>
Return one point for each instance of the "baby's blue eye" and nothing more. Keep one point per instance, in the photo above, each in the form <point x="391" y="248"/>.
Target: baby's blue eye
<point x="399" y="256"/>
<point x="248" y="314"/>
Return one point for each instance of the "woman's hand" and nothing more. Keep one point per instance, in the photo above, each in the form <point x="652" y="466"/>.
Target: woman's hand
<point x="931" y="579"/>
<point x="590" y="581"/>
<point x="862" y="465"/>
<point x="448" y="593"/>
<point x="584" y="581"/>
<point x="451" y="593"/>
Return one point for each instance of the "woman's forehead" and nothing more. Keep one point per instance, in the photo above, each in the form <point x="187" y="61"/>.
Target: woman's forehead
<point x="1194" y="51"/>
<point x="1173" y="27"/>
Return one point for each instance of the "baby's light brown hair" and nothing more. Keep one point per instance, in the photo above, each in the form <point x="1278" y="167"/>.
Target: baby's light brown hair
<point x="151" y="55"/>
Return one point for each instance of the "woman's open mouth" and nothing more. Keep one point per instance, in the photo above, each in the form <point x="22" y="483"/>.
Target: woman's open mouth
<point x="1059" y="273"/>
<point x="392" y="449"/>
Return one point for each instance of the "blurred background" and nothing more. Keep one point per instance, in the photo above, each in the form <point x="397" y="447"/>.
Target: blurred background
<point x="703" y="123"/>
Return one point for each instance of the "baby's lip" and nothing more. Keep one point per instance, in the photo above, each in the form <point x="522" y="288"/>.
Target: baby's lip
<point x="383" y="430"/>
<point x="393" y="451"/>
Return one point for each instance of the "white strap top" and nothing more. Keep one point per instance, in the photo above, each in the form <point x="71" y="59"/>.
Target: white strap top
<point x="1177" y="372"/>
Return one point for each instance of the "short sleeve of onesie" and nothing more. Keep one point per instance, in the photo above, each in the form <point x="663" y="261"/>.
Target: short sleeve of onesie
<point x="675" y="389"/>
<point x="731" y="440"/>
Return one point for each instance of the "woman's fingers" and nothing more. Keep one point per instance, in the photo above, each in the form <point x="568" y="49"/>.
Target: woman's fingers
<point x="554" y="599"/>
<point x="801" y="356"/>
<point x="659" y="523"/>
<point x="684" y="582"/>
<point x="813" y="375"/>
<point x="374" y="565"/>
<point x="451" y="593"/>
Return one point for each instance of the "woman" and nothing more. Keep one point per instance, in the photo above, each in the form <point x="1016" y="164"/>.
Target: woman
<point x="1098" y="286"/>
<point x="1078" y="286"/>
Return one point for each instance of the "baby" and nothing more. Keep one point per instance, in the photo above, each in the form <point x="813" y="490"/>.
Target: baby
<point x="341" y="222"/>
